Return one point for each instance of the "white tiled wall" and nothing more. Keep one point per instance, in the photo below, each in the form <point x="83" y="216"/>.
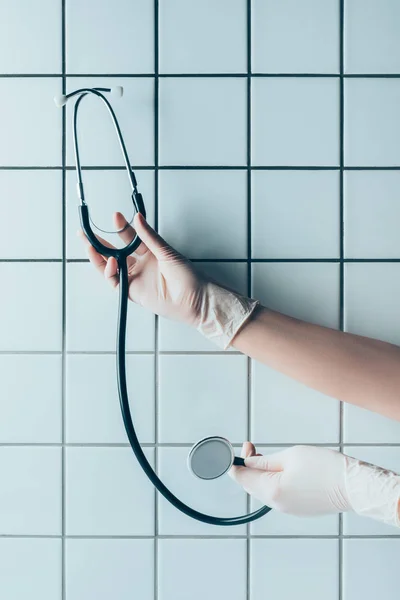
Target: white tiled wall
<point x="265" y="133"/>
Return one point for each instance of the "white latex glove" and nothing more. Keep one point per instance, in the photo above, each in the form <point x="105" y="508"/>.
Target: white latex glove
<point x="165" y="282"/>
<point x="311" y="481"/>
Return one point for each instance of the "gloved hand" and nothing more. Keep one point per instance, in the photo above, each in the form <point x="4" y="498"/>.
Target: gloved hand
<point x="311" y="481"/>
<point x="165" y="282"/>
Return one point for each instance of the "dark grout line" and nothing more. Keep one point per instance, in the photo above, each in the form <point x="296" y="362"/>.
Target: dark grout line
<point x="64" y="283"/>
<point x="201" y="75"/>
<point x="203" y="168"/>
<point x="220" y="260"/>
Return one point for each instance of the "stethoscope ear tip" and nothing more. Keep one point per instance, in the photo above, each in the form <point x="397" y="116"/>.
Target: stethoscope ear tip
<point x="60" y="100"/>
<point x="117" y="91"/>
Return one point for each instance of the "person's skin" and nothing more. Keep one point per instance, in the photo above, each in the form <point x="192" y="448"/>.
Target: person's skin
<point x="301" y="480"/>
<point x="351" y="368"/>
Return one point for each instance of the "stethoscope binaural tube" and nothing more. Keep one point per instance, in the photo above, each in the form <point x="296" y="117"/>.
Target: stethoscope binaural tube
<point x="121" y="255"/>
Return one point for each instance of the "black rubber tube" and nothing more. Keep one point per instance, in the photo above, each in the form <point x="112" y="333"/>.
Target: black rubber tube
<point x="130" y="429"/>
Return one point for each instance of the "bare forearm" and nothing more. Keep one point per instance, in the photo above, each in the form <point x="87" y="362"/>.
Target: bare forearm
<point x="352" y="368"/>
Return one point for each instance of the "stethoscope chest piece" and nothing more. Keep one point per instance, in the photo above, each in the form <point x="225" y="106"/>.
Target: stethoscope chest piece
<point x="212" y="457"/>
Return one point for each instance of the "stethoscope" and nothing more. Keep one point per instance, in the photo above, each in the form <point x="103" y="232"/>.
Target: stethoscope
<point x="211" y="457"/>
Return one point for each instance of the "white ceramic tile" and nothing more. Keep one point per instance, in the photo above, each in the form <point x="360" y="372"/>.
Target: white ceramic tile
<point x="371" y="124"/>
<point x="31" y="302"/>
<point x="92" y="307"/>
<point x="199" y="569"/>
<point x="365" y="427"/>
<point x="110" y="38"/>
<point x="198" y="393"/>
<point x="307" y="291"/>
<point x="98" y="142"/>
<point x="106" y="192"/>
<point x="285" y="411"/>
<point x="295" y="214"/>
<point x="212" y="207"/>
<point x="30" y="398"/>
<point x="30" y="122"/>
<point x="30" y="37"/>
<point x="30" y="492"/>
<point x="295" y="122"/>
<point x="203" y="121"/>
<point x="387" y="457"/>
<point x="285" y="569"/>
<point x="93" y="413"/>
<point x="107" y="493"/>
<point x="370" y="569"/>
<point x="220" y="497"/>
<point x="105" y="569"/>
<point x="179" y="337"/>
<point x="372" y="43"/>
<point x="372" y="296"/>
<point x="371" y="214"/>
<point x="277" y="523"/>
<point x="30" y="568"/>
<point x="295" y="37"/>
<point x="198" y="36"/>
<point x="31" y="206"/>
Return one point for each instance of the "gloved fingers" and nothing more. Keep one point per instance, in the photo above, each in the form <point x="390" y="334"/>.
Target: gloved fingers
<point x="264" y="485"/>
<point x="111" y="271"/>
<point x="248" y="449"/>
<point x="128" y="233"/>
<point x="103" y="266"/>
<point x="269" y="462"/>
<point x="153" y="241"/>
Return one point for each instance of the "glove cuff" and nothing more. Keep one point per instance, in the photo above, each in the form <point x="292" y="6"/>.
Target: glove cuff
<point x="223" y="314"/>
<point x="373" y="492"/>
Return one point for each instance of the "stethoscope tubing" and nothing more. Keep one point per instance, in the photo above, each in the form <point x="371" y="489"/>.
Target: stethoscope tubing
<point x="121" y="255"/>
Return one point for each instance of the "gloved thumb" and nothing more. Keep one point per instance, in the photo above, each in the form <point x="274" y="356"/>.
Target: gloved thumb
<point x="272" y="462"/>
<point x="261" y="484"/>
<point x="155" y="243"/>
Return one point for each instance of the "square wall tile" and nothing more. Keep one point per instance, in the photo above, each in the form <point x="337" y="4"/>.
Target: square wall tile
<point x="106" y="192"/>
<point x="30" y="399"/>
<point x="92" y="307"/>
<point x="105" y="569"/>
<point x="30" y="42"/>
<point x="278" y="523"/>
<point x="371" y="124"/>
<point x="31" y="130"/>
<point x="93" y="413"/>
<point x="107" y="493"/>
<point x="197" y="393"/>
<point x="219" y="497"/>
<point x="203" y="121"/>
<point x="112" y="38"/>
<point x="295" y="214"/>
<point x="372" y="211"/>
<point x="370" y="569"/>
<point x="178" y="337"/>
<point x="295" y="122"/>
<point x="211" y="205"/>
<point x="32" y="302"/>
<point x="30" y="494"/>
<point x="198" y="36"/>
<point x="36" y="196"/>
<point x="287" y="412"/>
<point x="361" y="426"/>
<point x="372" y="42"/>
<point x="372" y="297"/>
<point x="306" y="291"/>
<point x="295" y="37"/>
<point x="98" y="142"/>
<point x="30" y="568"/>
<point x="387" y="457"/>
<point x="199" y="569"/>
<point x="294" y="569"/>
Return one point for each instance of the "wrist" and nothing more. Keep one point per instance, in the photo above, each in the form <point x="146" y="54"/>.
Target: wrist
<point x="373" y="492"/>
<point x="223" y="313"/>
